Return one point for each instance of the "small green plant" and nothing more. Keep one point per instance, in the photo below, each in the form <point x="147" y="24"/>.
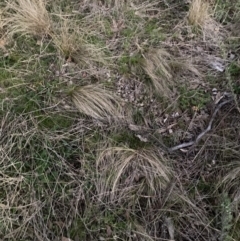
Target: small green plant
<point x="127" y="63"/>
<point x="193" y="98"/>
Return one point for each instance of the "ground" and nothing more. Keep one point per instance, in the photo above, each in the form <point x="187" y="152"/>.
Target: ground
<point x="96" y="99"/>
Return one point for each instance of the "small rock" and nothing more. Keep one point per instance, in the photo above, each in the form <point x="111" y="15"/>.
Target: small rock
<point x="143" y="139"/>
<point x="214" y="91"/>
<point x="175" y="115"/>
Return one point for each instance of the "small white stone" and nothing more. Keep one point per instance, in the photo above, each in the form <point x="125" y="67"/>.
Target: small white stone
<point x="143" y="139"/>
<point x="214" y="91"/>
<point x="175" y="115"/>
<point x="166" y="118"/>
<point x="67" y="107"/>
<point x="232" y="56"/>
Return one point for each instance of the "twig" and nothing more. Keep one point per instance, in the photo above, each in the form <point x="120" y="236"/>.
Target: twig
<point x="209" y="127"/>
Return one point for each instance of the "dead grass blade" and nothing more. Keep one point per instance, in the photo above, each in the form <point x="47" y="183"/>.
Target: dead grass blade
<point x="97" y="102"/>
<point x="28" y="17"/>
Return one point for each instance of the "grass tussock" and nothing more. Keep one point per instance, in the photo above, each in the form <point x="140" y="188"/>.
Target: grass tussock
<point x="200" y="16"/>
<point x="69" y="37"/>
<point x="135" y="171"/>
<point x="198" y="13"/>
<point x="97" y="102"/>
<point x="28" y="17"/>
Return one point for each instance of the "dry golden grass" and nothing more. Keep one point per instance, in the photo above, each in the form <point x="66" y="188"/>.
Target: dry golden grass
<point x="201" y="15"/>
<point x="198" y="13"/>
<point x="124" y="172"/>
<point x="68" y="38"/>
<point x="157" y="66"/>
<point x="28" y="17"/>
<point x="97" y="102"/>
